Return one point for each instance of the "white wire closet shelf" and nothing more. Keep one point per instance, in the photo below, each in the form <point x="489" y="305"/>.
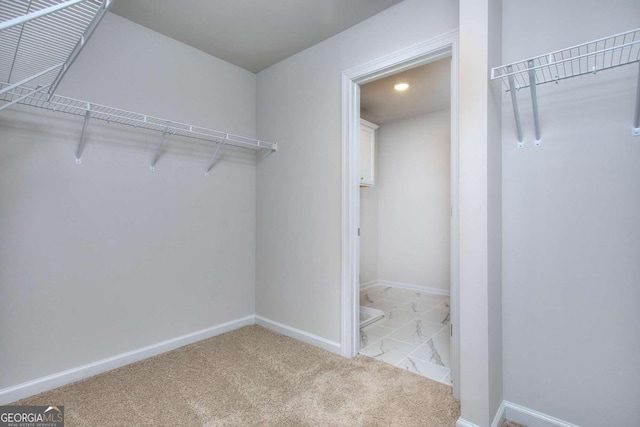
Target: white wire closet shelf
<point x="108" y="114"/>
<point x="591" y="57"/>
<point x="40" y="40"/>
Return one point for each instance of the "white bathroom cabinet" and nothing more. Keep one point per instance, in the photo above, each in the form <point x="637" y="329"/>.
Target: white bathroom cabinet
<point x="367" y="153"/>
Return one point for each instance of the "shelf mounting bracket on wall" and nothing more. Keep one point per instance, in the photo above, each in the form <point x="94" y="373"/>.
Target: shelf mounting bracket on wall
<point x="156" y="156"/>
<point x="83" y="135"/>
<point x="215" y="156"/>
<point x="534" y="103"/>
<point x="587" y="58"/>
<point x="516" y="111"/>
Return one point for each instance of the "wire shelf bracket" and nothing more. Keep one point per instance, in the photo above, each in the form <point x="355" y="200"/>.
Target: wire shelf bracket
<point x="591" y="57"/>
<point x="83" y="135"/>
<point x="214" y="157"/>
<point x="156" y="156"/>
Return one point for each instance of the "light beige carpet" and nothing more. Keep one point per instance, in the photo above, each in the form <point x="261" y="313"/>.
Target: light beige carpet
<point x="254" y="377"/>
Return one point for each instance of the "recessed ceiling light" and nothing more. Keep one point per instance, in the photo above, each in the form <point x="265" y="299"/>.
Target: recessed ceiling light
<point x="401" y="87"/>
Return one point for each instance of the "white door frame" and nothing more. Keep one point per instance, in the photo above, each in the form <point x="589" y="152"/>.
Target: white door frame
<point x="431" y="50"/>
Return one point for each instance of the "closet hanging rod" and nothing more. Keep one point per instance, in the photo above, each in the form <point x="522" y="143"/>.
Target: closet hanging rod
<point x="591" y="57"/>
<point x="39" y="98"/>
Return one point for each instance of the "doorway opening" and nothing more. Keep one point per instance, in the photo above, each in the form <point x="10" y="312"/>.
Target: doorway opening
<point x="438" y="52"/>
<point x="404" y="245"/>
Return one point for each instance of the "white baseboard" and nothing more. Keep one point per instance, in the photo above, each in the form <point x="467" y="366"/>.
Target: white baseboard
<point x="498" y="420"/>
<point x="299" y="334"/>
<point x="368" y="284"/>
<point x="519" y="414"/>
<point x="532" y="418"/>
<point x="461" y="422"/>
<point x="408" y="286"/>
<point x="500" y="417"/>
<point x="20" y="391"/>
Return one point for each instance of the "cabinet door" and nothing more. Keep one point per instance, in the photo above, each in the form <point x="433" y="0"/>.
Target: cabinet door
<point x="367" y="156"/>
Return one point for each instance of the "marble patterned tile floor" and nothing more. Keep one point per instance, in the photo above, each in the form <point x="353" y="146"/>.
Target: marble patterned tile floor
<point x="414" y="333"/>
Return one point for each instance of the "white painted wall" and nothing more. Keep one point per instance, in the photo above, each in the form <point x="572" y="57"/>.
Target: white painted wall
<point x="404" y="218"/>
<point x="480" y="311"/>
<point x="369" y="229"/>
<point x="494" y="211"/>
<point x="369" y="219"/>
<point x="414" y="200"/>
<point x="106" y="257"/>
<point x="571" y="234"/>
<point x="299" y="190"/>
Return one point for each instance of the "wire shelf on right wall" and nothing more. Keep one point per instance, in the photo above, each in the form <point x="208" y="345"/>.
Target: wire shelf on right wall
<point x="591" y="57"/>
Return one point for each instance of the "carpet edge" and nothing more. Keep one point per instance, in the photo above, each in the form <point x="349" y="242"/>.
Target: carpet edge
<point x="59" y="379"/>
<point x="299" y="334"/>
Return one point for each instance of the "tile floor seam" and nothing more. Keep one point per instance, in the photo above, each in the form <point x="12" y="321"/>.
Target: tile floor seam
<point x="409" y="304"/>
<point x="412" y="343"/>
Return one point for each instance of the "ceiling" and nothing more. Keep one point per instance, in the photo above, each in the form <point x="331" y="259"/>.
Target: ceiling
<point x="429" y="90"/>
<point x="252" y="34"/>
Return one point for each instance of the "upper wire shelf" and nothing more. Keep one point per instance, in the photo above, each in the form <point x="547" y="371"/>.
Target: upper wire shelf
<point x="40" y="39"/>
<point x="591" y="57"/>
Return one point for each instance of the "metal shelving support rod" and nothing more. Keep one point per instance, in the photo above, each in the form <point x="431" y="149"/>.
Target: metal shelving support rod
<point x="636" y="118"/>
<point x="215" y="155"/>
<point x="37" y="14"/>
<point x="516" y="112"/>
<point x="534" y="103"/>
<point x="83" y="135"/>
<point x="152" y="167"/>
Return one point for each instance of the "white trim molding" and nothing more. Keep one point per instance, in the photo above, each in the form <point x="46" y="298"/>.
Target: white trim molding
<point x="299" y="334"/>
<point x="417" y="288"/>
<point x="49" y="382"/>
<point x="369" y="284"/>
<point x="461" y="422"/>
<point x="532" y="418"/>
<point x="408" y="286"/>
<point x="431" y="50"/>
<point x="500" y="417"/>
<point x="498" y="420"/>
<point x="520" y="414"/>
